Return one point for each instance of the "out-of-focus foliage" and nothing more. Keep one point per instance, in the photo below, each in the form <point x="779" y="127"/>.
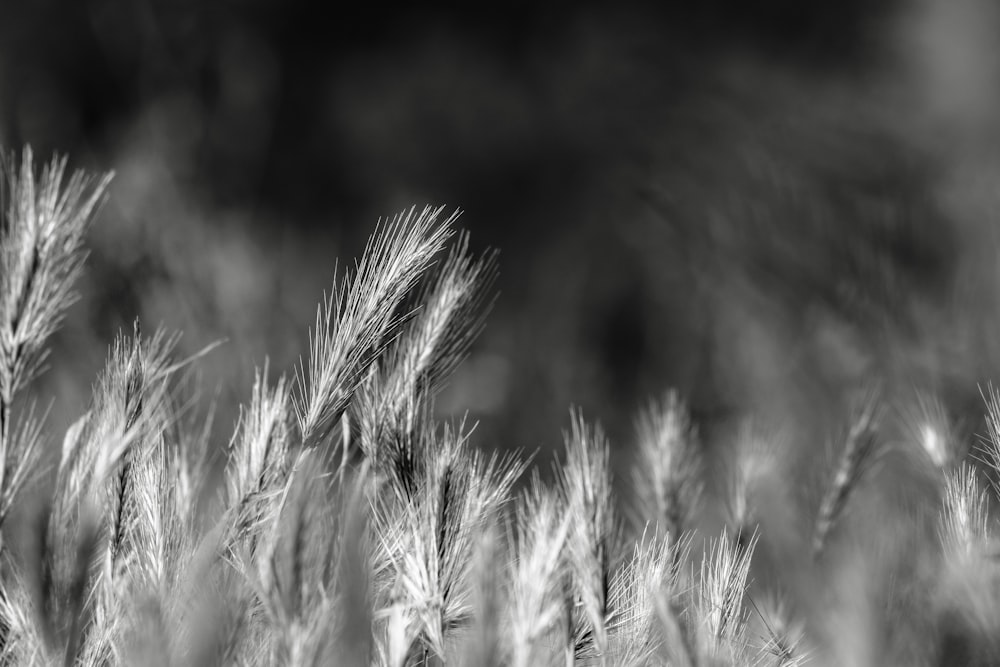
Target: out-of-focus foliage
<point x="758" y="203"/>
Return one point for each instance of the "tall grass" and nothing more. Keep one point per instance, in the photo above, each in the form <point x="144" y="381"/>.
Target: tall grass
<point x="350" y="526"/>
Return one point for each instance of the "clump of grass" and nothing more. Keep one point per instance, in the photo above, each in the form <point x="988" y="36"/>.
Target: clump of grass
<point x="937" y="434"/>
<point x="783" y="634"/>
<point x="753" y="461"/>
<point x="540" y="528"/>
<point x="646" y="577"/>
<point x="44" y="220"/>
<point x="668" y="471"/>
<point x="358" y="319"/>
<point x="428" y="533"/>
<point x="593" y="544"/>
<point x="722" y="634"/>
<point x="861" y="451"/>
<point x="352" y="526"/>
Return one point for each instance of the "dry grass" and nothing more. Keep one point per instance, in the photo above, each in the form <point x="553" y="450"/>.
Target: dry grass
<point x="350" y="527"/>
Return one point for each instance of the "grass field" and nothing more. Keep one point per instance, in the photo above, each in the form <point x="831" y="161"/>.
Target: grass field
<point x="344" y="524"/>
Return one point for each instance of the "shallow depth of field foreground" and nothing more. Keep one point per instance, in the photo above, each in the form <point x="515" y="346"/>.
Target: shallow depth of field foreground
<point x="346" y="523"/>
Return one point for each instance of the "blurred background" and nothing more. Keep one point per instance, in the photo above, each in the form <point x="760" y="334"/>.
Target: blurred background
<point x="761" y="203"/>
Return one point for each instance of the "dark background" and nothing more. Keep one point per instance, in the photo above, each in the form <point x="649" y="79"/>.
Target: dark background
<point x="763" y="203"/>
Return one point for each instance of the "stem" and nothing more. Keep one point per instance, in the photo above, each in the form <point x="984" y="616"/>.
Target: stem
<point x="5" y="412"/>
